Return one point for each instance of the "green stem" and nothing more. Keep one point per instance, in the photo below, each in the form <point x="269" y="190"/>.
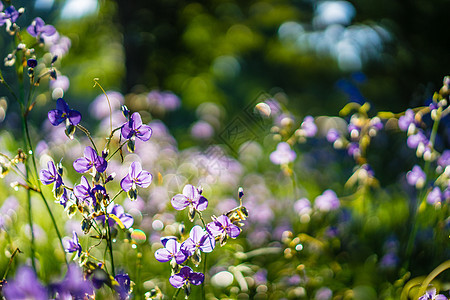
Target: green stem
<point x="109" y="242"/>
<point x="88" y="135"/>
<point x="175" y="295"/>
<point x="204" y="273"/>
<point x="10" y="262"/>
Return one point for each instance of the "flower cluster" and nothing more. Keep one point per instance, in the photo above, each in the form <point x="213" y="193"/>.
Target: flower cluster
<point x="201" y="239"/>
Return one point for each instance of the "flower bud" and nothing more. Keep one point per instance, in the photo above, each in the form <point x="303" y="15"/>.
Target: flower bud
<point x="131" y="145"/>
<point x="125" y="111"/>
<point x="32" y="63"/>
<point x="241" y="192"/>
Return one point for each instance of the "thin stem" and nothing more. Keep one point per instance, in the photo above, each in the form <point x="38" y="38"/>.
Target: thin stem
<point x="109" y="242"/>
<point x="204" y="273"/>
<point x="175" y="295"/>
<point x="10" y="262"/>
<point x="120" y="147"/>
<point x="30" y="222"/>
<point x="88" y="135"/>
<point x="109" y="103"/>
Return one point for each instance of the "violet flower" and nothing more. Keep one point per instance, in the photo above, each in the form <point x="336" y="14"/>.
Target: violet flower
<point x="414" y="140"/>
<point x="309" y="127"/>
<point x="74" y="245"/>
<point x="134" y="127"/>
<point x="190" y="196"/>
<point x="51" y="175"/>
<point x="10" y="14"/>
<point x="25" y="285"/>
<point x="431" y="295"/>
<point x="434" y="196"/>
<point x="444" y="159"/>
<point x="63" y="113"/>
<point x="38" y="28"/>
<point x="222" y="227"/>
<point x="333" y="135"/>
<point x="416" y="177"/>
<point x="327" y="201"/>
<point x="84" y="192"/>
<point x="135" y="177"/>
<point x="283" y="154"/>
<point x="172" y="250"/>
<point x="74" y="285"/>
<point x="186" y="276"/>
<point x="124" y="287"/>
<point x="90" y="160"/>
<point x="198" y="239"/>
<point x="406" y="120"/>
<point x="117" y="210"/>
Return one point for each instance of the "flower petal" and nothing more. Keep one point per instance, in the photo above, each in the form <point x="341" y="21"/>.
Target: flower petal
<point x="177" y="281"/>
<point x="180" y="202"/>
<point x="55" y="117"/>
<point x="136" y="121"/>
<point x="74" y="117"/>
<point x="82" y="165"/>
<point x="144" y="179"/>
<point x="163" y="255"/>
<point x="126" y="183"/>
<point x="144" y="133"/>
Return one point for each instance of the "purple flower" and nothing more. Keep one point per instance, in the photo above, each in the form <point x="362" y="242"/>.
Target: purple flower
<point x="124" y="285"/>
<point x="172" y="250"/>
<point x="222" y="227"/>
<point x="414" y="140"/>
<point x="332" y="135"/>
<point x="327" y="201"/>
<point x="74" y="285"/>
<point x="310" y="129"/>
<point x="186" y="276"/>
<point x="406" y="120"/>
<point x="117" y="210"/>
<point x="190" y="196"/>
<point x="84" y="192"/>
<point x="434" y="196"/>
<point x="416" y="177"/>
<point x="283" y="154"/>
<point x="134" y="127"/>
<point x="63" y="113"/>
<point x="74" y="245"/>
<point x="51" y="175"/>
<point x="38" y="28"/>
<point x="10" y="14"/>
<point x="136" y="177"/>
<point x="302" y="206"/>
<point x="25" y="286"/>
<point x="431" y="295"/>
<point x="90" y="160"/>
<point x="198" y="239"/>
<point x="444" y="159"/>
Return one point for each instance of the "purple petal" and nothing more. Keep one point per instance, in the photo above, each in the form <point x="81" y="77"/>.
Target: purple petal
<point x="177" y="281"/>
<point x="144" y="133"/>
<point x="190" y="192"/>
<point x="208" y="243"/>
<point x="233" y="231"/>
<point x="136" y="121"/>
<point x="90" y="154"/>
<point x="180" y="257"/>
<point x="55" y="117"/>
<point x="144" y="179"/>
<point x="196" y="233"/>
<point x="74" y="117"/>
<point x="163" y="255"/>
<point x="188" y="246"/>
<point x="127" y="220"/>
<point x="46" y="177"/>
<point x="172" y="246"/>
<point x="215" y="228"/>
<point x="202" y="204"/>
<point x="101" y="164"/>
<point x="126" y="131"/>
<point x="48" y="30"/>
<point x="164" y="239"/>
<point x="180" y="202"/>
<point x="62" y="105"/>
<point x="196" y="278"/>
<point x="82" y="165"/>
<point x="135" y="169"/>
<point x="126" y="183"/>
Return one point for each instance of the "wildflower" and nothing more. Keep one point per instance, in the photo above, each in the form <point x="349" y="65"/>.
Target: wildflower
<point x="221" y="228"/>
<point x="172" y="250"/>
<point x="431" y="295"/>
<point x="308" y="126"/>
<point x="63" y="113"/>
<point x="25" y="286"/>
<point x="283" y="154"/>
<point x="444" y="159"/>
<point x="134" y="127"/>
<point x="117" y="210"/>
<point x="416" y="177"/>
<point x="434" y="196"/>
<point x="406" y="120"/>
<point x="135" y="177"/>
<point x="327" y="201"/>
<point x="190" y="197"/>
<point x="124" y="287"/>
<point x="38" y="28"/>
<point x="414" y="140"/>
<point x="74" y="245"/>
<point x="185" y="277"/>
<point x="90" y="160"/>
<point x="198" y="239"/>
<point x="10" y="14"/>
<point x="74" y="285"/>
<point x="51" y="175"/>
<point x="333" y="135"/>
<point x="84" y="192"/>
